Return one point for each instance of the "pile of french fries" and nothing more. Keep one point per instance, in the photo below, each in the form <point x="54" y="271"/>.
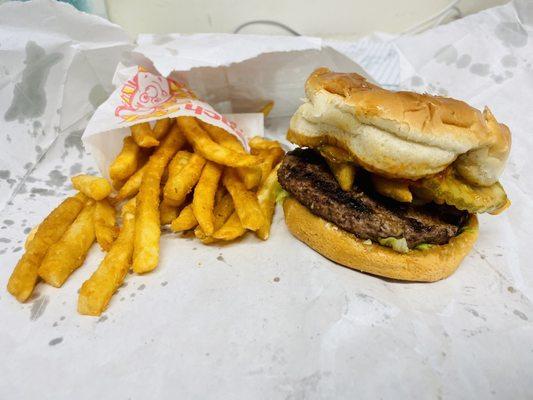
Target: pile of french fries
<point x="181" y="172"/>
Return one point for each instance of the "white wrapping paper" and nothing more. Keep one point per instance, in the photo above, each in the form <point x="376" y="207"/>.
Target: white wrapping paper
<point x="273" y="320"/>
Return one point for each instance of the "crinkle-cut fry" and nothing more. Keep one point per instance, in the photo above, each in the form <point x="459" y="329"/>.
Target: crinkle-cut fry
<point x="132" y="185"/>
<point x="127" y="160"/>
<point x="143" y="135"/>
<point x="105" y="228"/>
<point x="24" y="277"/>
<point x="203" y="201"/>
<point x="96" y="292"/>
<point x="167" y="212"/>
<point x="181" y="181"/>
<point x="209" y="149"/>
<point x="222" y="137"/>
<point x="147" y="224"/>
<point x="162" y="127"/>
<point x="185" y="220"/>
<point x="266" y="195"/>
<point x="344" y="173"/>
<point x="394" y="188"/>
<point x="246" y="203"/>
<point x="95" y="187"/>
<point x="231" y="230"/>
<point x="68" y="254"/>
<point x="129" y="207"/>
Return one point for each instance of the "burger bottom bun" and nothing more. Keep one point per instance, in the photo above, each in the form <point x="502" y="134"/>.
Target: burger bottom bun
<point x="346" y="249"/>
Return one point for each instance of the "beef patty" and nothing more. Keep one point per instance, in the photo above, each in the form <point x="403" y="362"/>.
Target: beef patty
<point x="362" y="211"/>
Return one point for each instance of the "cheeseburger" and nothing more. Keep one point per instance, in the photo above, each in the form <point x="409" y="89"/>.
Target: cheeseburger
<point x="387" y="182"/>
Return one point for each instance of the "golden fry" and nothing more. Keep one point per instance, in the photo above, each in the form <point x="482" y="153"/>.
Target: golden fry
<point x="143" y="135"/>
<point x="161" y="128"/>
<point x="181" y="181"/>
<point x="246" y="203"/>
<point x="126" y="162"/>
<point x="266" y="195"/>
<point x="335" y="154"/>
<point x="95" y="187"/>
<point x="24" y="276"/>
<point x="222" y="211"/>
<point x="393" y="188"/>
<point x="270" y="158"/>
<point x="185" y="220"/>
<point x="232" y="229"/>
<point x="167" y="213"/>
<point x="222" y="137"/>
<point x="30" y="237"/>
<point x="105" y="228"/>
<point x="132" y="185"/>
<point x="147" y="225"/>
<point x="211" y="150"/>
<point x="129" y="207"/>
<point x="204" y="196"/>
<point x="96" y="292"/>
<point x="251" y="176"/>
<point x="66" y="255"/>
<point x="344" y="173"/>
<point x="260" y="143"/>
<point x="267" y="108"/>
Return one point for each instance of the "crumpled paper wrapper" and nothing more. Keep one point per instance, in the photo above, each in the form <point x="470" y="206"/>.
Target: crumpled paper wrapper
<point x="271" y="319"/>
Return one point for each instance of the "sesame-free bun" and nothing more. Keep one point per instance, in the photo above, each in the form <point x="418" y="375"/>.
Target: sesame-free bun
<point x="400" y="134"/>
<point x="433" y="264"/>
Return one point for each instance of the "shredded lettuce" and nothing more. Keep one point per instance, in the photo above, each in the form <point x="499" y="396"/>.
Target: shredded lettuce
<point x="282" y="195"/>
<point x="424" y="246"/>
<point x="399" y="245"/>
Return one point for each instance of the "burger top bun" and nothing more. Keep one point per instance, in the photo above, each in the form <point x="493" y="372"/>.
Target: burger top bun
<point x="400" y="134"/>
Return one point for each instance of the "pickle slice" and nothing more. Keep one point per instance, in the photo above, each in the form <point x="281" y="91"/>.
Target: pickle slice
<point x="450" y="189"/>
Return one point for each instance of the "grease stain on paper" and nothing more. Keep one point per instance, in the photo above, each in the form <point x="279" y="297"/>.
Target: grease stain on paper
<point x="29" y="97"/>
<point x="55" y="341"/>
<point x="38" y="308"/>
<point x="512" y="34"/>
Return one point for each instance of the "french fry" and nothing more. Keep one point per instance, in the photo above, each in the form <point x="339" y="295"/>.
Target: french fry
<point x="185" y="220"/>
<point x="222" y="137"/>
<point x="207" y="148"/>
<point x="95" y="187"/>
<point x="181" y="181"/>
<point x="30" y="237"/>
<point x="344" y="173"/>
<point x="66" y="255"/>
<point x="246" y="204"/>
<point x="167" y="212"/>
<point x="231" y="230"/>
<point x="251" y="176"/>
<point x="222" y="211"/>
<point x="126" y="162"/>
<point x="147" y="224"/>
<point x="267" y="108"/>
<point x="105" y="228"/>
<point x="161" y="128"/>
<point x="335" y="154"/>
<point x="260" y="143"/>
<point x="393" y="188"/>
<point x="132" y="185"/>
<point x="24" y="277"/>
<point x="204" y="196"/>
<point x="143" y="135"/>
<point x="266" y="195"/>
<point x="270" y="152"/>
<point x="96" y="292"/>
<point x="129" y="207"/>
